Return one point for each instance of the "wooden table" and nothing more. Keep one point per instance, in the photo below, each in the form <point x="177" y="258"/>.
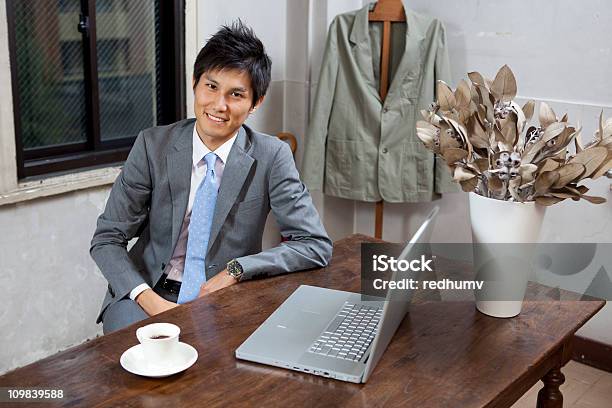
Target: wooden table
<point x="445" y="354"/>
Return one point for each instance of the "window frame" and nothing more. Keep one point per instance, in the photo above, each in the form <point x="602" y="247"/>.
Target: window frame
<point x="94" y="152"/>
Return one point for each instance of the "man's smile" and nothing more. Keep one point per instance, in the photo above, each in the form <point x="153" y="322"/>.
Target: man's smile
<point x="216" y="118"/>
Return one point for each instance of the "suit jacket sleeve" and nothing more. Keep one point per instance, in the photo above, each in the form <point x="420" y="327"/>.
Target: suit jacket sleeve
<point x="307" y="244"/>
<point x="443" y="182"/>
<point x="314" y="153"/>
<point x="126" y="211"/>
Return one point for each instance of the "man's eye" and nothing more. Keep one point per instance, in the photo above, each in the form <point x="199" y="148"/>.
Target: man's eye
<point x="211" y="86"/>
<point x="237" y="94"/>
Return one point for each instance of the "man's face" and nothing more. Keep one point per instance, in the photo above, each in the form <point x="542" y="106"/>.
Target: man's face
<point x="222" y="102"/>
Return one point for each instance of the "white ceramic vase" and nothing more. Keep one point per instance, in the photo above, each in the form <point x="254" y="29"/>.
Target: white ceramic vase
<point x="504" y="268"/>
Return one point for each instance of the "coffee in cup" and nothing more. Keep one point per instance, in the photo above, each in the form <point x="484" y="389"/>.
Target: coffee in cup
<point x="159" y="341"/>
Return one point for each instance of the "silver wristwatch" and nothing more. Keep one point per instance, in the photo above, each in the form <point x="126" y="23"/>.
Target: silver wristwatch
<point x="234" y="269"/>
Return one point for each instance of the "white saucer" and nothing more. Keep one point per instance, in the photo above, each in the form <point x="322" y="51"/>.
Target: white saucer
<point x="133" y="360"/>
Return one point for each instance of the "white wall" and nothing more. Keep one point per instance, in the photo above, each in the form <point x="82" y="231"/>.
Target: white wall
<point x="52" y="290"/>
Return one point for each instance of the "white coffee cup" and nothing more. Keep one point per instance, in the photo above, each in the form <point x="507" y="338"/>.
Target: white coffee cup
<point x="159" y="341"/>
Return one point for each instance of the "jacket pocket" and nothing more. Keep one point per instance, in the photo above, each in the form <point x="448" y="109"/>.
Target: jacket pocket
<point x="337" y="163"/>
<point x="418" y="168"/>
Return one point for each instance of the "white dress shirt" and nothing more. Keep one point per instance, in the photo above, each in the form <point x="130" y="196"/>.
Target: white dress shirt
<point x="175" y="266"/>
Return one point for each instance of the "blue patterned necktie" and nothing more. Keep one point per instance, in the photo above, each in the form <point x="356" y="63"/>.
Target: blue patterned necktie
<point x="194" y="273"/>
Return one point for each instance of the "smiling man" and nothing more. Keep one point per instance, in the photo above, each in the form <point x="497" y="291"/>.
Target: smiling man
<point x="197" y="194"/>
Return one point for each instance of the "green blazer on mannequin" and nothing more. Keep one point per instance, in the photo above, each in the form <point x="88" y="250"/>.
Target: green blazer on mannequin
<point x="358" y="147"/>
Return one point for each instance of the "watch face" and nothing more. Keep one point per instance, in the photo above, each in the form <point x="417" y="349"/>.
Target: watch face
<point x="234" y="268"/>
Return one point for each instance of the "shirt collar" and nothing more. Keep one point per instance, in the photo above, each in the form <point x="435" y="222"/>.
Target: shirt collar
<point x="200" y="149"/>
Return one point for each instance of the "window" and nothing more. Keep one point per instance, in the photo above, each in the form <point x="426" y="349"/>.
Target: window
<point x="88" y="75"/>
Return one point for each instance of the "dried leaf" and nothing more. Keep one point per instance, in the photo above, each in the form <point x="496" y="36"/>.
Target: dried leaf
<point x="591" y="158"/>
<point x="594" y="200"/>
<point x="578" y="144"/>
<point x="568" y="173"/>
<point x="482" y="114"/>
<point x="549" y="165"/>
<point x="601" y="170"/>
<point x="545" y="181"/>
<point x="427" y="134"/>
<point x="513" y="186"/>
<point x="469" y="185"/>
<point x="476" y="134"/>
<point x="561" y="155"/>
<point x="495" y="184"/>
<point x="463" y="94"/>
<point x="532" y="150"/>
<point x="504" y="85"/>
<point x="521" y="120"/>
<point x="599" y="134"/>
<point x="564" y="195"/>
<point x="564" y="118"/>
<point x="446" y="98"/>
<point x="474" y="96"/>
<point x="553" y="130"/>
<point x="460" y="174"/>
<point x="463" y="114"/>
<point x="581" y="189"/>
<point x="427" y="139"/>
<point x="528" y="110"/>
<point x="527" y="172"/>
<point x="453" y="155"/>
<point x="482" y="164"/>
<point x="426" y="125"/>
<point x="547" y="115"/>
<point x="509" y="130"/>
<point x="476" y="78"/>
<point x="607" y="129"/>
<point x="487" y="100"/>
<point x="575" y="191"/>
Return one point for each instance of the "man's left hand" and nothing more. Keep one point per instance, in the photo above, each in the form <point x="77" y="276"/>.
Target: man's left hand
<point x="219" y="281"/>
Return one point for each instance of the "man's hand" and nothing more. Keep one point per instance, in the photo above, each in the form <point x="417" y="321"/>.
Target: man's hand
<point x="219" y="281"/>
<point x="152" y="303"/>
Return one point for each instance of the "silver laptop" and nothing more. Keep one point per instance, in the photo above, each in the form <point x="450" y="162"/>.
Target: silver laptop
<point x="333" y="333"/>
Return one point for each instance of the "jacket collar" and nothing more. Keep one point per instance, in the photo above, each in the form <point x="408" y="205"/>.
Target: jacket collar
<point x="410" y="61"/>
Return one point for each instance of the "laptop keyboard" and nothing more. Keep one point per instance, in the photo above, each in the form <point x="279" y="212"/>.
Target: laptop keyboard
<point x="350" y="333"/>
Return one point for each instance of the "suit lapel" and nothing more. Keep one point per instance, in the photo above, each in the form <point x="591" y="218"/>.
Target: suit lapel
<point x="362" y="54"/>
<point x="410" y="63"/>
<point x="179" y="162"/>
<point x="235" y="173"/>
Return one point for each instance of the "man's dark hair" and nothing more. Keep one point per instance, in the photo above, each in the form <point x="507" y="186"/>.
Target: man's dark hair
<point x="236" y="47"/>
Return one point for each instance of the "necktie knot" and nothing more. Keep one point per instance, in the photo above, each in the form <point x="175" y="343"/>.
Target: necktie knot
<point x="210" y="159"/>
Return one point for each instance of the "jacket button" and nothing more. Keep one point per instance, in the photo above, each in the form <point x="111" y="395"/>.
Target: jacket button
<point x="385" y="110"/>
<point x="384" y="150"/>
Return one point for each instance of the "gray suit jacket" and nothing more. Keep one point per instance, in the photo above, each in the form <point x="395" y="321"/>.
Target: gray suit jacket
<point x="149" y="200"/>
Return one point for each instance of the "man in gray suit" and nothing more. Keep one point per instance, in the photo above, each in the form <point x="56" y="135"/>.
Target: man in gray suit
<point x="197" y="193"/>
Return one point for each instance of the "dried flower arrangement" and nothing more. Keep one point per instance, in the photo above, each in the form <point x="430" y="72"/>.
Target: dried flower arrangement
<point x="482" y="135"/>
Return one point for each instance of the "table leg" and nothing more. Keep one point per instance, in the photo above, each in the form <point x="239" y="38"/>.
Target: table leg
<point x="550" y="396"/>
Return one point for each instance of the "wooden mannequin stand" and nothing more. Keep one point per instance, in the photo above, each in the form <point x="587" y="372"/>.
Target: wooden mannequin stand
<point x="387" y="12"/>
